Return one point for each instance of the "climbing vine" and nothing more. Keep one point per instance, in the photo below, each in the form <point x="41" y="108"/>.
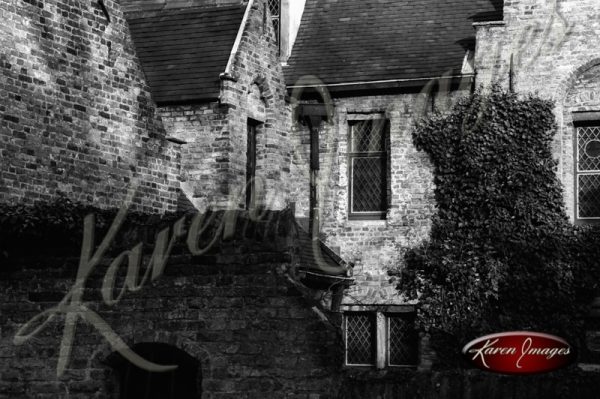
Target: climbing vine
<point x="502" y="253"/>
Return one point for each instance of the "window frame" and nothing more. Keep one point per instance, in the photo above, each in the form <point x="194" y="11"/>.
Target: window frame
<point x="383" y="155"/>
<point x="373" y="344"/>
<point x="582" y="122"/>
<point x="381" y="338"/>
<point x="407" y="317"/>
<point x="276" y="17"/>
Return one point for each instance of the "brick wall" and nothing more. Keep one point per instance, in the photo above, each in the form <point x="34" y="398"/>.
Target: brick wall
<point x="374" y="245"/>
<point x="553" y="47"/>
<point x="237" y="311"/>
<point x="234" y="309"/>
<point x="214" y="158"/>
<point x="205" y="130"/>
<point x="76" y="116"/>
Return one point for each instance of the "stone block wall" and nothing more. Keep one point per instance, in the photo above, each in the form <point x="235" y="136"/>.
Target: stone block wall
<point x="373" y="245"/>
<point x="235" y="309"/>
<point x="552" y="44"/>
<point x="76" y="115"/>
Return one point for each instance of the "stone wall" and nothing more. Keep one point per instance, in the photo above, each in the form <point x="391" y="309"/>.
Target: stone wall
<point x="552" y="44"/>
<point x="235" y="309"/>
<point x="373" y="245"/>
<point x="214" y="156"/>
<point x="76" y="113"/>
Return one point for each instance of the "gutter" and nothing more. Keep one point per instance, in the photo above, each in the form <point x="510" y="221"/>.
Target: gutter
<point x="388" y="83"/>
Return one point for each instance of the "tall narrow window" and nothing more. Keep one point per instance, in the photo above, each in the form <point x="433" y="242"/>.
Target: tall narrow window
<point x="368" y="168"/>
<point x="587" y="171"/>
<point x="251" y="165"/>
<point x="275" y="10"/>
<point x="135" y="383"/>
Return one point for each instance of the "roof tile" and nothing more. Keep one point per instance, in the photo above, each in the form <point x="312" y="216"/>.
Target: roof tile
<point x="183" y="52"/>
<point x="347" y="41"/>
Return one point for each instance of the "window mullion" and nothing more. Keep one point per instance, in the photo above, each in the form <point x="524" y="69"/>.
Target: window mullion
<point x="380" y="341"/>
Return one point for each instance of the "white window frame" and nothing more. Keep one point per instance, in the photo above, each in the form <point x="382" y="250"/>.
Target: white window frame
<point x="577" y="172"/>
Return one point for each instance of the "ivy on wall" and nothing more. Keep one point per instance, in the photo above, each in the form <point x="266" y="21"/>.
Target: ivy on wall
<point x="502" y="254"/>
<point x="56" y="228"/>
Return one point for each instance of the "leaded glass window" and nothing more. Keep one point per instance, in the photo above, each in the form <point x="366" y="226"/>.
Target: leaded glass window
<point x="360" y="339"/>
<point x="402" y="341"/>
<point x="588" y="171"/>
<point x="368" y="168"/>
<point x="275" y="11"/>
<point x="376" y="338"/>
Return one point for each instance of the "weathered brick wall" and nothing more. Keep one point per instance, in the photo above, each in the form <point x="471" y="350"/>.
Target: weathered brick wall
<point x="205" y="130"/>
<point x="258" y="91"/>
<point x="553" y="44"/>
<point x="373" y="245"/>
<point x="214" y="157"/>
<point x="233" y="309"/>
<point x="76" y="114"/>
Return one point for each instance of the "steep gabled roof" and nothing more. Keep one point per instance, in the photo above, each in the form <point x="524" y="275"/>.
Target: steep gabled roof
<point x="347" y="41"/>
<point x="183" y="52"/>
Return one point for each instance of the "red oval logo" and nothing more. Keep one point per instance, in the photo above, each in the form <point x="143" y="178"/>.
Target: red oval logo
<point x="519" y="352"/>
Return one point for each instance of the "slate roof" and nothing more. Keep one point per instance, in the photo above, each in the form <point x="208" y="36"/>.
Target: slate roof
<point x="345" y="41"/>
<point x="183" y="52"/>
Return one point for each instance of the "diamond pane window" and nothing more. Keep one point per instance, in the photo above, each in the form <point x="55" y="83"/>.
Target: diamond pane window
<point x="588" y="172"/>
<point x="368" y="184"/>
<point x="402" y="341"/>
<point x="368" y="168"/>
<point x="275" y="11"/>
<point x="360" y="339"/>
<point x="369" y="136"/>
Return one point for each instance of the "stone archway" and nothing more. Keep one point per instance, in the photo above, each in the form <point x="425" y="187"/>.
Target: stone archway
<point x="105" y="357"/>
<point x="579" y="102"/>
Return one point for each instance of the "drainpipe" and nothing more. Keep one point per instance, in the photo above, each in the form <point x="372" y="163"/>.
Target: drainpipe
<point x="313" y="122"/>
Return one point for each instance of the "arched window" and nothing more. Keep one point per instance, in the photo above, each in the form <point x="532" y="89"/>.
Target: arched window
<point x="185" y="382"/>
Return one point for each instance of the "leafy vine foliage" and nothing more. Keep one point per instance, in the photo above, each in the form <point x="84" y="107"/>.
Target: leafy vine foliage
<point x="56" y="228"/>
<point x="502" y="253"/>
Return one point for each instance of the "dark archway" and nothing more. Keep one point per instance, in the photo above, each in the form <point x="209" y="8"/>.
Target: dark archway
<point x="185" y="382"/>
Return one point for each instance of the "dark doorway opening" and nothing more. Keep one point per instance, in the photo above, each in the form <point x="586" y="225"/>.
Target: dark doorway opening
<point x="185" y="382"/>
